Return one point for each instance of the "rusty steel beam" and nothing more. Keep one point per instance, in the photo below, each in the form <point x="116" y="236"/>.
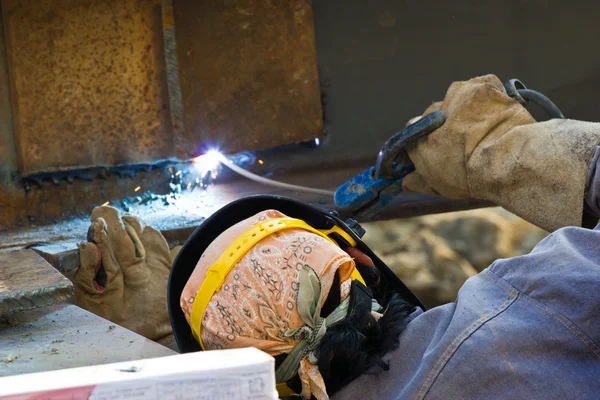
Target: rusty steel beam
<point x="172" y="67"/>
<point x="88" y="83"/>
<point x="125" y="82"/>
<point x="8" y="157"/>
<point x="248" y="74"/>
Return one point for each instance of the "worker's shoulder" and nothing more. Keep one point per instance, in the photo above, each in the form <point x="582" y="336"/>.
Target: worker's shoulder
<point x="527" y="327"/>
<point x="522" y="345"/>
<point x="560" y="277"/>
<point x="497" y="341"/>
<point x="566" y="258"/>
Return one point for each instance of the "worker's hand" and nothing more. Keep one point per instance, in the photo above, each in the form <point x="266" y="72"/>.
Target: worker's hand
<point x="492" y="149"/>
<point x="123" y="273"/>
<point x="476" y="110"/>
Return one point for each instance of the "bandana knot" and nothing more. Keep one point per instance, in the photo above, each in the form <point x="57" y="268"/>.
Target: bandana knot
<point x="312" y="337"/>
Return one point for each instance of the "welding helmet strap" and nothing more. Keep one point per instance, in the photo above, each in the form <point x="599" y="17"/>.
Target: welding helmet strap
<point x="216" y="274"/>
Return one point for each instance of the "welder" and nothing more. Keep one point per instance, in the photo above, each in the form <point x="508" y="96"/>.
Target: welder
<point x="300" y="284"/>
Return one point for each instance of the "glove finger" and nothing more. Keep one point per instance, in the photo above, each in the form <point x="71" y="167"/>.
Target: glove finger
<point x="90" y="259"/>
<point x="489" y="79"/>
<point x="123" y="249"/>
<point x="134" y="227"/>
<point x="432" y="108"/>
<point x="478" y="87"/>
<point x="109" y="260"/>
<point x="157" y="245"/>
<point x="151" y="241"/>
<point x="415" y="183"/>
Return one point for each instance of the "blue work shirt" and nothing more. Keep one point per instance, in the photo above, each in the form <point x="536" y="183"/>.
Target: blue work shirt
<point x="525" y="328"/>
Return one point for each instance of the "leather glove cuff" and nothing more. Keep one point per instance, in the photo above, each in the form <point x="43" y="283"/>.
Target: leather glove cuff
<point x="538" y="171"/>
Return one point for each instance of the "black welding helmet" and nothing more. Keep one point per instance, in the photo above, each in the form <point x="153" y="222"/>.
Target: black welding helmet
<point x="244" y="208"/>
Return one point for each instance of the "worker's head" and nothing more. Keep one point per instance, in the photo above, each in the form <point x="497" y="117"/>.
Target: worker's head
<point x="302" y="291"/>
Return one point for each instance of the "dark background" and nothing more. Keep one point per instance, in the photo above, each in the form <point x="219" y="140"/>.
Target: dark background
<point x="383" y="62"/>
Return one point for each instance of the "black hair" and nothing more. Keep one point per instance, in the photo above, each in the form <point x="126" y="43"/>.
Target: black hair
<point x="357" y="344"/>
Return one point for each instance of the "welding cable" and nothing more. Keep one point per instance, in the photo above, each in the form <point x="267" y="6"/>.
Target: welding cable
<point x="265" y="181"/>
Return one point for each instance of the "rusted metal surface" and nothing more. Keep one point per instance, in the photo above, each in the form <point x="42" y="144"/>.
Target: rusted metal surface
<point x="88" y="82"/>
<point x="27" y="281"/>
<point x="8" y="158"/>
<point x="172" y="68"/>
<point x="66" y="336"/>
<point x="52" y="203"/>
<point x="248" y="73"/>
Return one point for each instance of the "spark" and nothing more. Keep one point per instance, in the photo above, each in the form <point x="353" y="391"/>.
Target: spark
<point x="189" y="185"/>
<point x="317" y="141"/>
<point x="261" y="162"/>
<point x="137" y="189"/>
<point x="208" y="162"/>
<point x="105" y="204"/>
<point x="178" y="173"/>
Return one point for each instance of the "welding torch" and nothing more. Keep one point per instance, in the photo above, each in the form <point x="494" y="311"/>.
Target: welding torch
<point x="374" y="190"/>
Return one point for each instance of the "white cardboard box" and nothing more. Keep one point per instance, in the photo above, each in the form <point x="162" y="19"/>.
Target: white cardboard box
<point x="212" y="375"/>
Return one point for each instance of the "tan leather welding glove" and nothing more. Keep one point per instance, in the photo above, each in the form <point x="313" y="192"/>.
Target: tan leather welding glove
<point x="491" y="148"/>
<point x="123" y="273"/>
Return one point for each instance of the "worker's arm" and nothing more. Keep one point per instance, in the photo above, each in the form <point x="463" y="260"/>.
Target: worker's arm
<point x="562" y="273"/>
<point x="492" y="149"/>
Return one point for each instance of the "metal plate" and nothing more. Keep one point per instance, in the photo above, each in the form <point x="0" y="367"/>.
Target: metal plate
<point x="88" y="82"/>
<point x="64" y="256"/>
<point x="191" y="208"/>
<point x="248" y="73"/>
<point x="66" y="336"/>
<point x="27" y="281"/>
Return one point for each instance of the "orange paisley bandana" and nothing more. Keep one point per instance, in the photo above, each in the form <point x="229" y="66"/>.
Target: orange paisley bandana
<point x="258" y="301"/>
